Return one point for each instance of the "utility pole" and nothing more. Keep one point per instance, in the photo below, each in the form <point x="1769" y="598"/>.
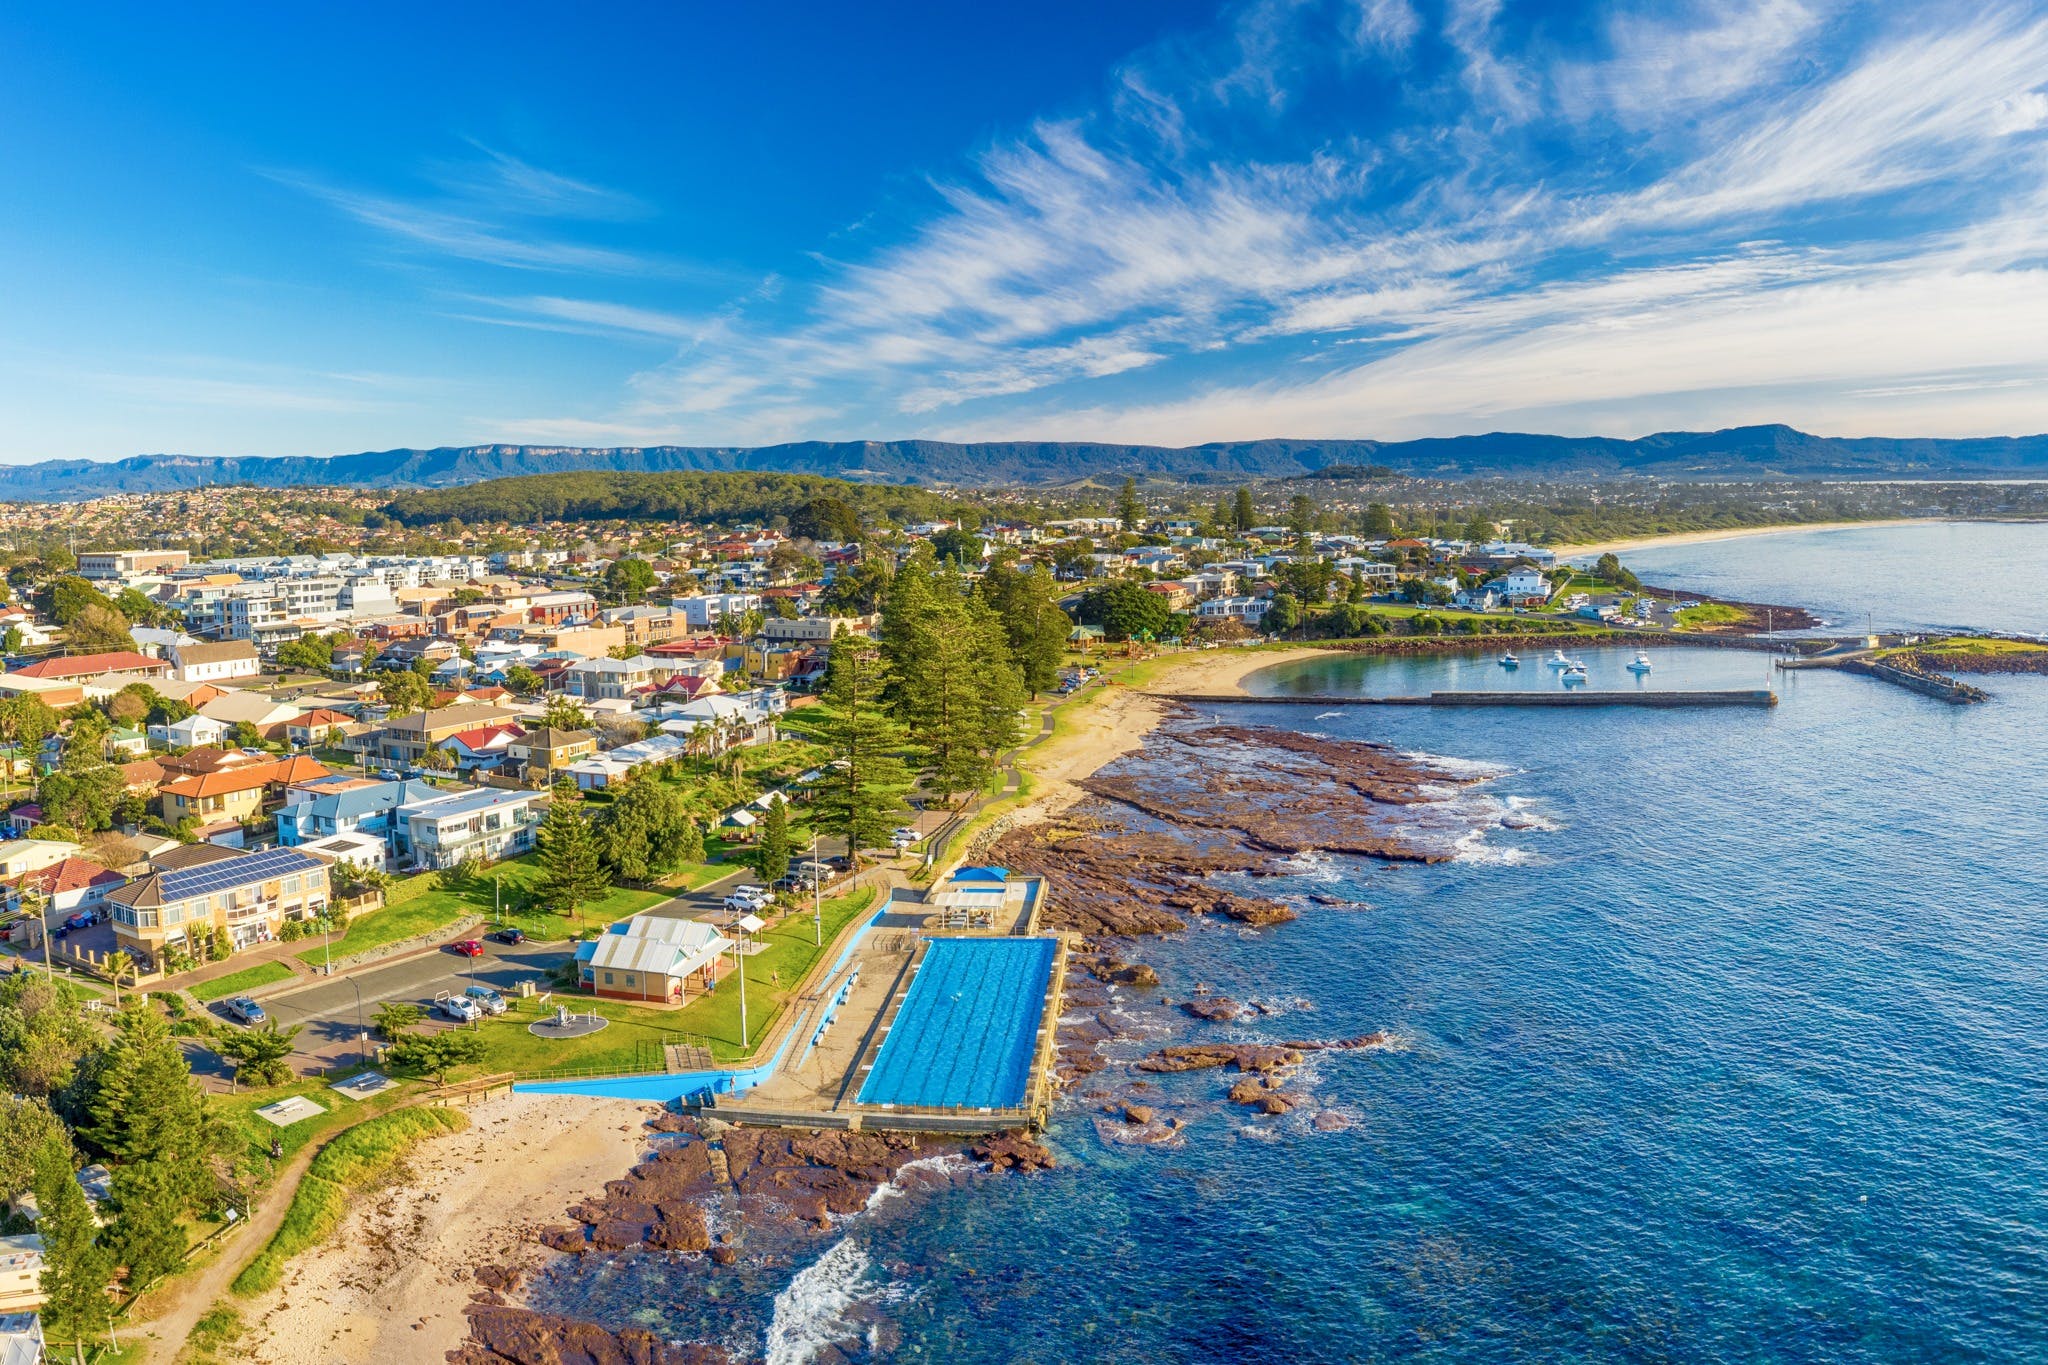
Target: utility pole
<point x="817" y="889"/>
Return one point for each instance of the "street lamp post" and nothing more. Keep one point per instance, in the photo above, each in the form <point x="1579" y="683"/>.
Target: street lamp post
<point x="362" y="1034"/>
<point x="740" y="956"/>
<point x="817" y="891"/>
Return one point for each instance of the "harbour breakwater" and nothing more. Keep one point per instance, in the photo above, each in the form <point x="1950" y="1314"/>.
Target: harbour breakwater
<point x="1672" y="700"/>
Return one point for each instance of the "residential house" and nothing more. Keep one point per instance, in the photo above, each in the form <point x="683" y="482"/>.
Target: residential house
<point x="21" y="1273"/>
<point x="406" y="738"/>
<point x="129" y="741"/>
<point x="199" y="889"/>
<point x="352" y="805"/>
<point x="485" y="823"/>
<point x="813" y="629"/>
<point x="237" y="793"/>
<point x="319" y="726"/>
<point x="553" y="608"/>
<point x="193" y="732"/>
<point x="1250" y="610"/>
<point x="57" y="693"/>
<point x="71" y="885"/>
<point x="541" y="755"/>
<point x="613" y="679"/>
<point x="485" y="748"/>
<point x="1524" y="587"/>
<point x="21" y="620"/>
<point x="266" y="714"/>
<point x="601" y="771"/>
<point x="652" y="957"/>
<point x="704" y="611"/>
<point x="21" y="856"/>
<point x="124" y="663"/>
<point x="21" y="1338"/>
<point x="221" y="662"/>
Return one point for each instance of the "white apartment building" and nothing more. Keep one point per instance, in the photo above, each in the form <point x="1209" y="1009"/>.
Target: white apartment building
<point x="704" y="610"/>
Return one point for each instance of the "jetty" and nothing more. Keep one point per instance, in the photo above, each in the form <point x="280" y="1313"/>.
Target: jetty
<point x="1583" y="697"/>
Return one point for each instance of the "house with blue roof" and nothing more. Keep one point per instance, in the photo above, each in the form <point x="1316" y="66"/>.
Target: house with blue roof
<point x="354" y="806"/>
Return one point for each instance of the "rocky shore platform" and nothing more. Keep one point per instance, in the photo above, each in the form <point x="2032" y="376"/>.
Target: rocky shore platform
<point x="712" y="1195"/>
<point x="1169" y="837"/>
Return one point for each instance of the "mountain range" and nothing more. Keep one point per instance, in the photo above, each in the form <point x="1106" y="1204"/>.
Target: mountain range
<point x="1757" y="452"/>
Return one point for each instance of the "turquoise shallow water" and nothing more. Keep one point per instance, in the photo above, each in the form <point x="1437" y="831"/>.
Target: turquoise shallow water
<point x="1741" y="1058"/>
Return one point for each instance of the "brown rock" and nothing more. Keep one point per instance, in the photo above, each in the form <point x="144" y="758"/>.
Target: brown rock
<point x="1237" y="1056"/>
<point x="1214" y="1008"/>
<point x="1263" y="1094"/>
<point x="1137" y="1113"/>
<point x="1012" y="1152"/>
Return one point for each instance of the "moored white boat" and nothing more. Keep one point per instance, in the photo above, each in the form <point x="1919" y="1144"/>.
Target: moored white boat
<point x="1639" y="664"/>
<point x="1508" y="660"/>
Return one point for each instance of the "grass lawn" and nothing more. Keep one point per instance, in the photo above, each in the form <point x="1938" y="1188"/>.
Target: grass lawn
<point x="1969" y="646"/>
<point x="1708" y="614"/>
<point x="420" y="905"/>
<point x="236" y="983"/>
<point x="636" y="1029"/>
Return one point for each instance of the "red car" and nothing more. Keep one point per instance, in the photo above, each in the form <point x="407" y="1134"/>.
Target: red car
<point x="469" y="947"/>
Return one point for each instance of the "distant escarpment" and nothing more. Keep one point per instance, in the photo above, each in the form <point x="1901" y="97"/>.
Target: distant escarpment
<point x="1753" y="452"/>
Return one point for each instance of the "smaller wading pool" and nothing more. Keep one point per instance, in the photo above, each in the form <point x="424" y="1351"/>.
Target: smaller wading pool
<point x="964" y="1035"/>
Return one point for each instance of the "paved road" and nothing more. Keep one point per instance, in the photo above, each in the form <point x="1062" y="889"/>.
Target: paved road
<point x="327" y="1009"/>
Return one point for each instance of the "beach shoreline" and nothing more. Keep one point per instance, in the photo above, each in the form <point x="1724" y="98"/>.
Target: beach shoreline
<point x="1602" y="547"/>
<point x="394" y="1279"/>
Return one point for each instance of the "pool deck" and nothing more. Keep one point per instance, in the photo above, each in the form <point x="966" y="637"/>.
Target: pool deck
<point x="817" y="1086"/>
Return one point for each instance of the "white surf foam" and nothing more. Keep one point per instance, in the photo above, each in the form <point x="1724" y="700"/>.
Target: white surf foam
<point x="945" y="1165"/>
<point x="1459" y="767"/>
<point x="1473" y="848"/>
<point x="811" y="1313"/>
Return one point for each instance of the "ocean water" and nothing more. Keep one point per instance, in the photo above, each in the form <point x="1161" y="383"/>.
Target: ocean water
<point x="1736" y="1051"/>
<point x="1926" y="576"/>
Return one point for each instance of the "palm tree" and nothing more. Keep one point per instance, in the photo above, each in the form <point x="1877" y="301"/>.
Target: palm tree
<point x="119" y="965"/>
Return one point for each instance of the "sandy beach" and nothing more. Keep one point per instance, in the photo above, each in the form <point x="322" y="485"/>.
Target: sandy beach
<point x="385" y="1287"/>
<point x="1115" y="723"/>
<point x="1703" y="537"/>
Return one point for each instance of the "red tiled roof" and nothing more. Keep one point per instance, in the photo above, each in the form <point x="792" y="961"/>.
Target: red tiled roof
<point x="483" y="736"/>
<point x="282" y="771"/>
<point x="85" y="665"/>
<point x="73" y="874"/>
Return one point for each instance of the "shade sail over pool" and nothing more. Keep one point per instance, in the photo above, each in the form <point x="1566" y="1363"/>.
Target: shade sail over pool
<point x="963" y="1038"/>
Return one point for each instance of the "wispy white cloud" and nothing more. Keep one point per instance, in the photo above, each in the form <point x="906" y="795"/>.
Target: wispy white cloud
<point x="1778" y="203"/>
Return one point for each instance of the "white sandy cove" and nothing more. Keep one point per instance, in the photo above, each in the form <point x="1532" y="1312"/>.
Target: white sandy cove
<point x="383" y="1288"/>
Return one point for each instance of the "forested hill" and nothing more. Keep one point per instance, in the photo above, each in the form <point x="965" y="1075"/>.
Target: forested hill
<point x="706" y="498"/>
<point x="1745" y="452"/>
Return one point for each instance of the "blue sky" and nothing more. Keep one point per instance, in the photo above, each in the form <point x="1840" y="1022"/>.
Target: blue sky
<point x="306" y="230"/>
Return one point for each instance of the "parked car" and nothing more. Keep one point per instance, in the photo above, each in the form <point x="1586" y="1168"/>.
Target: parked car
<point x="748" y="898"/>
<point x="460" y="1008"/>
<point x="244" y="1010"/>
<point x="509" y="934"/>
<point x="486" y="999"/>
<point x="468" y="947"/>
<point x="388" y="774"/>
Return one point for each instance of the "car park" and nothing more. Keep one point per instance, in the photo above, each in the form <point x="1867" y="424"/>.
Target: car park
<point x="486" y="999"/>
<point x="244" y="1010"/>
<point x="458" y="1007"/>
